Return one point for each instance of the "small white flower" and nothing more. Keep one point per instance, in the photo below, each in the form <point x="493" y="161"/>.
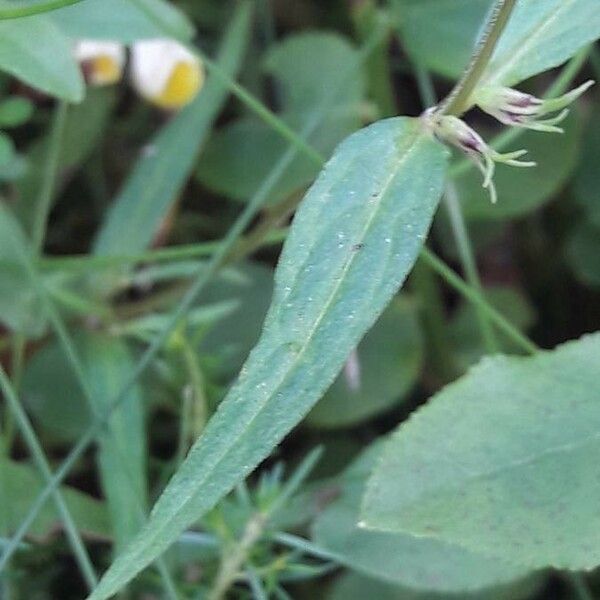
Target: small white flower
<point x="102" y="61"/>
<point x="453" y="131"/>
<point x="166" y="73"/>
<point x="519" y="109"/>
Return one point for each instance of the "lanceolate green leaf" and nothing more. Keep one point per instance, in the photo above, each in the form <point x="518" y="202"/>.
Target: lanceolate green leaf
<point x="167" y="162"/>
<point x="503" y="462"/>
<point x="354" y="240"/>
<point x="542" y="34"/>
<point x="122" y="445"/>
<point x="35" y="51"/>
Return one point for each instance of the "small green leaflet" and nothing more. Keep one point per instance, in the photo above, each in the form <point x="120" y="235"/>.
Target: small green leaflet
<point x="354" y="240"/>
<point x="503" y="462"/>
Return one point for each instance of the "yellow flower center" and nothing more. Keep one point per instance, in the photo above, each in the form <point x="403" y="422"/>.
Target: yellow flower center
<point x="105" y="70"/>
<point x="182" y="87"/>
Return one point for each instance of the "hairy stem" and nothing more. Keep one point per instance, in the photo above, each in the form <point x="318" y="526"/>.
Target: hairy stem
<point x="458" y="101"/>
<point x="232" y="561"/>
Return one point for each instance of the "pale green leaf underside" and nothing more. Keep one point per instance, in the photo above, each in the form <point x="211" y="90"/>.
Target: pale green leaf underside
<point x="353" y="242"/>
<point x="413" y="563"/>
<point x="504" y="462"/>
<point x="35" y="51"/>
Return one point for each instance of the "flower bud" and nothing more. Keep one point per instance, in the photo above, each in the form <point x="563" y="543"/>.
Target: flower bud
<point x="102" y="61"/>
<point x="166" y="73"/>
<point x="452" y="130"/>
<point x="519" y="109"/>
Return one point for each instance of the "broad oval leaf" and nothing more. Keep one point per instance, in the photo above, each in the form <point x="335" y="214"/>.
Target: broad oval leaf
<point x="20" y="484"/>
<point x="306" y="67"/>
<point x="354" y="240"/>
<point x="35" y="51"/>
<point x="356" y="587"/>
<point x="502" y="462"/>
<point x="415" y="564"/>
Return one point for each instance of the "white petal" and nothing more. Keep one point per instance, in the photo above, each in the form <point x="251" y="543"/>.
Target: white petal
<point x="152" y="63"/>
<point x="90" y="49"/>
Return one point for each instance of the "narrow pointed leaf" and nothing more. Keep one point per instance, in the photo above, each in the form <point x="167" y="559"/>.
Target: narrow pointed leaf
<point x="354" y="240"/>
<point x="504" y="462"/>
<point x="122" y="444"/>
<point x="540" y="35"/>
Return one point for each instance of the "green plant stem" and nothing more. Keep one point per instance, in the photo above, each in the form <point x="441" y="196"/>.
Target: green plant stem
<point x="467" y="258"/>
<point x="35" y="448"/>
<point x="433" y="319"/>
<point x="560" y="86"/>
<point x="44" y="201"/>
<point x="256" y="106"/>
<point x="13" y="11"/>
<point x="461" y="237"/>
<point x="444" y="271"/>
<point x="233" y="560"/>
<point x="458" y="101"/>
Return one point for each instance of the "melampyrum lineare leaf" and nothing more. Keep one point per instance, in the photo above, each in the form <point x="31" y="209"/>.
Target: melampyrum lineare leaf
<point x="502" y="462"/>
<point x="541" y="34"/>
<point x="354" y="240"/>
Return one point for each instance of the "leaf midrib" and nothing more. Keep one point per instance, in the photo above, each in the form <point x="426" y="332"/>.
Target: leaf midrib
<point x="515" y="464"/>
<point x="409" y="149"/>
<point x="524" y="44"/>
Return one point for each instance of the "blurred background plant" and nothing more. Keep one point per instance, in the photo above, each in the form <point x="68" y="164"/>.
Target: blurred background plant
<point x="123" y="168"/>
